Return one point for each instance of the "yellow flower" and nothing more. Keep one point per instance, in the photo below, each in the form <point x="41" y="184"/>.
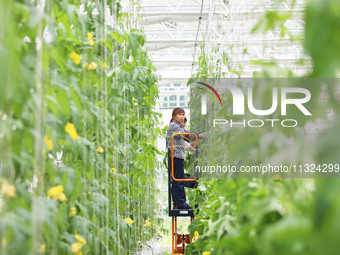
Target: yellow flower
<point x="113" y="170"/>
<point x="105" y="66"/>
<point x="128" y="220"/>
<point x="206" y="253"/>
<point x="92" y="66"/>
<point x="76" y="247"/>
<point x="125" y="174"/>
<point x="48" y="142"/>
<point x="57" y="193"/>
<point x="153" y="179"/>
<point x="147" y="223"/>
<point x="75" y="58"/>
<point x="7" y="189"/>
<point x="195" y="236"/>
<point x="89" y="36"/>
<point x="277" y="177"/>
<point x="100" y="149"/>
<point x="55" y="190"/>
<point x="73" y="211"/>
<point x="61" y="197"/>
<point x="42" y="248"/>
<point x="71" y="130"/>
<point x="128" y="206"/>
<point x="80" y="239"/>
<point x="86" y="65"/>
<point x="91" y="42"/>
<point x="3" y="241"/>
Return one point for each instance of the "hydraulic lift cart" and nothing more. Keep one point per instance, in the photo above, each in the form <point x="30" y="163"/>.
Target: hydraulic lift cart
<point x="179" y="241"/>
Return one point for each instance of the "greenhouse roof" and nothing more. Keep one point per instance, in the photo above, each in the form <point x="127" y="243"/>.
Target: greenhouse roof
<point x="178" y="31"/>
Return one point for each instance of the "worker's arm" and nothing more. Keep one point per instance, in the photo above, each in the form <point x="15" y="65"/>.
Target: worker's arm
<point x="194" y="149"/>
<point x="193" y="136"/>
<point x="202" y="135"/>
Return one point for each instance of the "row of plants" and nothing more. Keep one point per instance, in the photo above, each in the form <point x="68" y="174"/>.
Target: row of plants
<point x="242" y="216"/>
<point x="77" y="130"/>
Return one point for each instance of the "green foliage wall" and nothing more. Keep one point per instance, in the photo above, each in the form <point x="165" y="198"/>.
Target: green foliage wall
<point x="278" y="216"/>
<point x="77" y="137"/>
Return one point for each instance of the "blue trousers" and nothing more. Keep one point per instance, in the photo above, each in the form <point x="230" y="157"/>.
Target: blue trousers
<point x="178" y="192"/>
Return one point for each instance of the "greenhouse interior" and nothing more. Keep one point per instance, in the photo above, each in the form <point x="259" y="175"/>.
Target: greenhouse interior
<point x="170" y="127"/>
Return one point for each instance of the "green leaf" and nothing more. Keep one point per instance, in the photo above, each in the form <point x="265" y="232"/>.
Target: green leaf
<point x="118" y="36"/>
<point x="64" y="102"/>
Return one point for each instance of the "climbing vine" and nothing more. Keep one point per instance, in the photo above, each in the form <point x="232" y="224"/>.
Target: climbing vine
<point x="78" y="130"/>
<point x="275" y="216"/>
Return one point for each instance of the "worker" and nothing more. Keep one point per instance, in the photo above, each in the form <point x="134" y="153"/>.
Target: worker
<point x="178" y="116"/>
